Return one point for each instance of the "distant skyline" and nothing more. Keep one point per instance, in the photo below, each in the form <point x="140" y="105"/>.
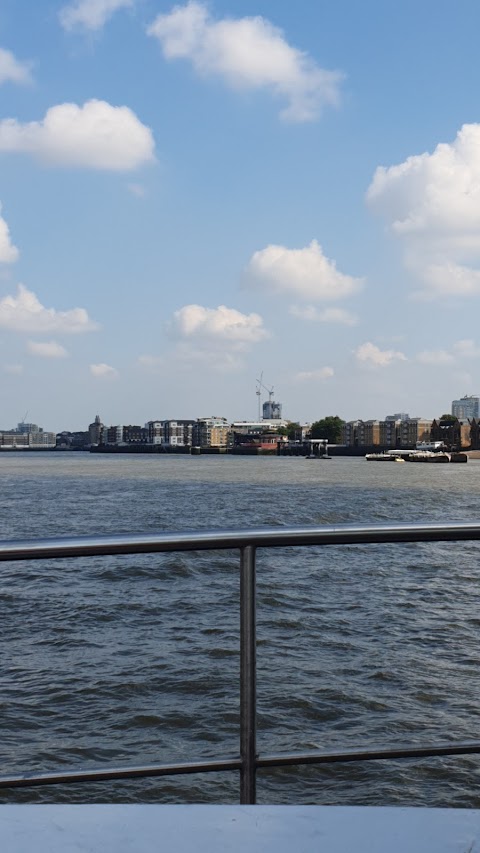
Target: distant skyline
<point x="194" y="193"/>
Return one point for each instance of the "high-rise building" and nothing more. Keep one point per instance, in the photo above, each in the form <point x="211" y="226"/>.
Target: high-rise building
<point x="272" y="411"/>
<point x="466" y="407"/>
<point x="398" y="416"/>
<point x="24" y="428"/>
<point x="95" y="431"/>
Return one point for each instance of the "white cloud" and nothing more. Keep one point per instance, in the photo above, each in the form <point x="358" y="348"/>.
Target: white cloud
<point x="432" y="202"/>
<point x="47" y="349"/>
<point x="223" y="326"/>
<point x="370" y="354"/>
<point x="25" y="313"/>
<point x="306" y="273"/>
<point x="95" y="135"/>
<point x="466" y="349"/>
<point x="446" y="278"/>
<point x="8" y="252"/>
<point x="463" y="349"/>
<point x="13" y="369"/>
<point x="248" y="53"/>
<point x="12" y="70"/>
<point x="329" y="315"/>
<point x="315" y="375"/>
<point x="435" y="357"/>
<point x="103" y="371"/>
<point x="90" y="14"/>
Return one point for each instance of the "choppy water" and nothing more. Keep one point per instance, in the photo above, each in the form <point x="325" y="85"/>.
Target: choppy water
<point x="132" y="660"/>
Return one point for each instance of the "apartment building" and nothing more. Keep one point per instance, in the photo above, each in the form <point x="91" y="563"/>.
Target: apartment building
<point x="413" y="430"/>
<point x="210" y="432"/>
<point x="466" y="407"/>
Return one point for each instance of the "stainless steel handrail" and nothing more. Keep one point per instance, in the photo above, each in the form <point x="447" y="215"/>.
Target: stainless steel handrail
<point x="247" y="541"/>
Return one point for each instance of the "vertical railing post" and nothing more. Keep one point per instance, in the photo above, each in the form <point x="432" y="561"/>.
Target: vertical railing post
<point x="248" y="676"/>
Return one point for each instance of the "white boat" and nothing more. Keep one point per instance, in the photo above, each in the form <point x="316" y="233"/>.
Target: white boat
<point x="380" y="457"/>
<point x="428" y="456"/>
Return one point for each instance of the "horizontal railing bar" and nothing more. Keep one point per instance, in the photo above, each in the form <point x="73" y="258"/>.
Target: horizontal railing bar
<point x="430" y="751"/>
<point x="229" y="764"/>
<point x="102" y="775"/>
<point x="265" y="537"/>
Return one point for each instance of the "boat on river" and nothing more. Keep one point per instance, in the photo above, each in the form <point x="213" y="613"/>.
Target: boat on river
<point x="380" y="457"/>
<point x="431" y="456"/>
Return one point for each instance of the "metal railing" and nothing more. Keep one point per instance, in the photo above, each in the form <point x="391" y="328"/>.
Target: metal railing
<point x="247" y="541"/>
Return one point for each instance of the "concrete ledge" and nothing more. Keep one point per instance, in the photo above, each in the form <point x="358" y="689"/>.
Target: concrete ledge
<point x="236" y="829"/>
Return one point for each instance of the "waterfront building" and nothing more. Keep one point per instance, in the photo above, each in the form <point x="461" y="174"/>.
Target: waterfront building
<point x="368" y="433"/>
<point x="348" y="434"/>
<point x="171" y="433"/>
<point x="389" y="432"/>
<point x="210" y="432"/>
<point x="95" y="431"/>
<point x="259" y="426"/>
<point x="13" y="440"/>
<point x="66" y="440"/>
<point x="42" y="439"/>
<point x="263" y="442"/>
<point x="130" y="434"/>
<point x="413" y="430"/>
<point x="21" y="441"/>
<point x="112" y="434"/>
<point x="466" y="407"/>
<point x="154" y="432"/>
<point x="453" y="434"/>
<point x="178" y="433"/>
<point x="475" y="434"/>
<point x="134" y="434"/>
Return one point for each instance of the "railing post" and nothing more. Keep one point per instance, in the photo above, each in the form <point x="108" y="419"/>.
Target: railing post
<point x="248" y="676"/>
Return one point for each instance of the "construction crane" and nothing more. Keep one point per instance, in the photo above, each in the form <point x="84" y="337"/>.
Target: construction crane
<point x="269" y="391"/>
<point x="259" y="393"/>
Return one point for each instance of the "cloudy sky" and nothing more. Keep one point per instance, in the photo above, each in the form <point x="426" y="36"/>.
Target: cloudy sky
<point x="195" y="194"/>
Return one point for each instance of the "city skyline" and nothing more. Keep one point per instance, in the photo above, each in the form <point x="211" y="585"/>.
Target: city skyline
<point x="464" y="409"/>
<point x="193" y="193"/>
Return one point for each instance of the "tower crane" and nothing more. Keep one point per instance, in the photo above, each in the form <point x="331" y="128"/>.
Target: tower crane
<point x="269" y="391"/>
<point x="259" y="393"/>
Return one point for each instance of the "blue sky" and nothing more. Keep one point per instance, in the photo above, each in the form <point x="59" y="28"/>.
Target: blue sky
<point x="192" y="194"/>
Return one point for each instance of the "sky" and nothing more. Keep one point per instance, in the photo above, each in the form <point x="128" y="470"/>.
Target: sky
<point x="196" y="196"/>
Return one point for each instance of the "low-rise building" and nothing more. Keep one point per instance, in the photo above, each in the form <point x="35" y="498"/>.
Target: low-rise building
<point x="414" y="430"/>
<point x="263" y="426"/>
<point x="154" y="432"/>
<point x="120" y="435"/>
<point x="368" y="433"/>
<point x="389" y="432"/>
<point x="348" y="434"/>
<point x="454" y="433"/>
<point x="171" y="433"/>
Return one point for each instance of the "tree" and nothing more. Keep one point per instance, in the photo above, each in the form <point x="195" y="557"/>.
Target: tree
<point x="448" y="419"/>
<point x="294" y="431"/>
<point x="329" y="428"/>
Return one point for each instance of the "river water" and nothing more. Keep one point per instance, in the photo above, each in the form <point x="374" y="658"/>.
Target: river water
<point x="128" y="660"/>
